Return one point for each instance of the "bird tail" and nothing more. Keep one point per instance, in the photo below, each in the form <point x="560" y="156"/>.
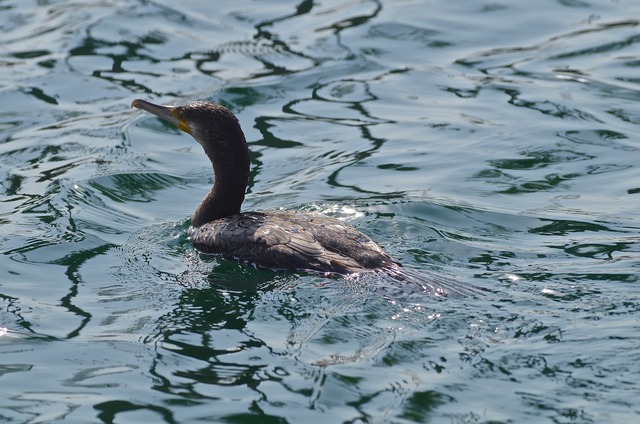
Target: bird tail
<point x="402" y="282"/>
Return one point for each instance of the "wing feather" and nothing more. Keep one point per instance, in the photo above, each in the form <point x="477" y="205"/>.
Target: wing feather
<point x="287" y="240"/>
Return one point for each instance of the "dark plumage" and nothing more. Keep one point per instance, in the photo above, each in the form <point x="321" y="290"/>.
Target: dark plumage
<point x="272" y="239"/>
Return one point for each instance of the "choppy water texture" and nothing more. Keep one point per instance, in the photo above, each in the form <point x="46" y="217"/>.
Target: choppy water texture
<point x="493" y="143"/>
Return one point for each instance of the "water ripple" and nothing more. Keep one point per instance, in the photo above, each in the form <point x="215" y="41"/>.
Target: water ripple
<point x="472" y="152"/>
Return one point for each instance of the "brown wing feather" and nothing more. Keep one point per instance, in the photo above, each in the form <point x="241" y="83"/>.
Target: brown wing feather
<point x="291" y="240"/>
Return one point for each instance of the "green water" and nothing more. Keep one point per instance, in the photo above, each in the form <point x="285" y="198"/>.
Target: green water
<point x="493" y="144"/>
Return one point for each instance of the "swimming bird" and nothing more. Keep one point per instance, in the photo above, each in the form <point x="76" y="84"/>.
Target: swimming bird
<point x="279" y="240"/>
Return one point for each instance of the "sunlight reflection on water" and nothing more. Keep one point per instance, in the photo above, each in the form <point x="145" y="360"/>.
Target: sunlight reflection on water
<point x="493" y="145"/>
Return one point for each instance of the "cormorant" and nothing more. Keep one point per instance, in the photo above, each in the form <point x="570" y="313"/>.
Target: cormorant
<point x="269" y="239"/>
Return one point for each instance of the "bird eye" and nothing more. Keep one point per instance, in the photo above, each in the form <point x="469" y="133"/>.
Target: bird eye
<point x="178" y="113"/>
<point x="182" y="123"/>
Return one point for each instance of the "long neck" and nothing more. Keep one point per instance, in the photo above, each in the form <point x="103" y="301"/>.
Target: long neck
<point x="231" y="176"/>
<point x="222" y="200"/>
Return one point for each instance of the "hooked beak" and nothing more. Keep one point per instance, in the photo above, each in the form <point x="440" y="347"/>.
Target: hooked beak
<point x="170" y="114"/>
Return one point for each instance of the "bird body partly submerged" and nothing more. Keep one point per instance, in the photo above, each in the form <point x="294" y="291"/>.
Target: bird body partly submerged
<point x="271" y="239"/>
<point x="291" y="240"/>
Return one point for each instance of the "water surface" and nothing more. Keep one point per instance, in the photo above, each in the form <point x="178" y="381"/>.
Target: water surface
<point x="493" y="144"/>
